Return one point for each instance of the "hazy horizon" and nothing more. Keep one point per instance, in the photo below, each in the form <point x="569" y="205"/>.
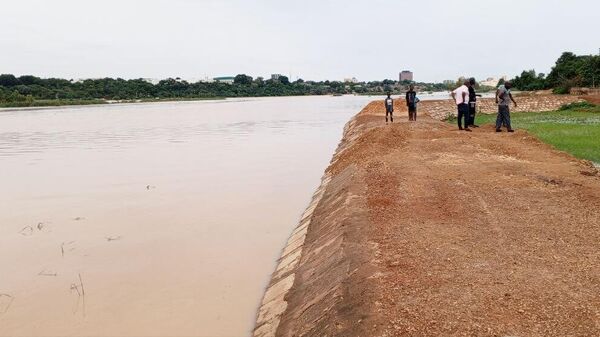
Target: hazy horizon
<point x="313" y="40"/>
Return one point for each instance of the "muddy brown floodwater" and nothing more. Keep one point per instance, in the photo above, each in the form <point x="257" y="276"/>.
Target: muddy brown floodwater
<point x="157" y="219"/>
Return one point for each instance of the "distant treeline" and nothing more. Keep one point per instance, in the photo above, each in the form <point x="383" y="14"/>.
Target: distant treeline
<point x="569" y="71"/>
<point x="31" y="90"/>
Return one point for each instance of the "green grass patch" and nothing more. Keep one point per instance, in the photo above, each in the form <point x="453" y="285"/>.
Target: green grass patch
<point x="574" y="129"/>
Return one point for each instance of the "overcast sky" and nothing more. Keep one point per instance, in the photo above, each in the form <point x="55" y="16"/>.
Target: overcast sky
<point x="311" y="39"/>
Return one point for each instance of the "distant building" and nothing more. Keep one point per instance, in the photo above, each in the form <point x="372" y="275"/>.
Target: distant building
<point x="492" y="81"/>
<point x="489" y="82"/>
<point x="275" y="77"/>
<point x="79" y="80"/>
<point x="350" y="80"/>
<point x="206" y="79"/>
<point x="224" y="79"/>
<point x="154" y="81"/>
<point x="194" y="79"/>
<point x="406" y="75"/>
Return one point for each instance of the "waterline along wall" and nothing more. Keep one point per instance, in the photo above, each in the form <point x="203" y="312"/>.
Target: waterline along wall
<point x="275" y="303"/>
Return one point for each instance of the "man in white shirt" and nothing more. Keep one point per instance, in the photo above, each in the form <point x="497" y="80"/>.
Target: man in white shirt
<point x="461" y="97"/>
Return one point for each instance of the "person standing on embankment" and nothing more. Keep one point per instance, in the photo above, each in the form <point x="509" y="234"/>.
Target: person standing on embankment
<point x="472" y="102"/>
<point x="411" y="102"/>
<point x="461" y="97"/>
<point x="503" y="98"/>
<point x="389" y="108"/>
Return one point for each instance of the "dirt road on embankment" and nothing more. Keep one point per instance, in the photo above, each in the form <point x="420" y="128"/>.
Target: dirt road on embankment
<point x="427" y="231"/>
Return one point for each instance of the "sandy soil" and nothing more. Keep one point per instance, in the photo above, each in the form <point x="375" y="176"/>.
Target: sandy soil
<point x="592" y="98"/>
<point x="428" y="231"/>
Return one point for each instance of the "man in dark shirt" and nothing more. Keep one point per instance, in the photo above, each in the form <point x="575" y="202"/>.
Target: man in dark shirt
<point x="411" y="102"/>
<point x="472" y="103"/>
<point x="389" y="108"/>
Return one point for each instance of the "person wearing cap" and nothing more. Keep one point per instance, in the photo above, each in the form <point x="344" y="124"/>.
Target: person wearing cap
<point x="503" y="98"/>
<point x="461" y="97"/>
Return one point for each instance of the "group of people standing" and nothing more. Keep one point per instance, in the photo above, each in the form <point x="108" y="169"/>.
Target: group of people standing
<point x="411" y="102"/>
<point x="466" y="103"/>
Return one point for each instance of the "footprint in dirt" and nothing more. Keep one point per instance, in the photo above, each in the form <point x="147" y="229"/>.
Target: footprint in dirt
<point x="45" y="272"/>
<point x="26" y="231"/>
<point x="67" y="247"/>
<point x="5" y="302"/>
<point x="112" y="238"/>
<point x="30" y="230"/>
<point x="43" y="227"/>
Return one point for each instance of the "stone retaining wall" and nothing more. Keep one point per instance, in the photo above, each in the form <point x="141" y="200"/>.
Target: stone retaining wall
<point x="274" y="302"/>
<point x="584" y="91"/>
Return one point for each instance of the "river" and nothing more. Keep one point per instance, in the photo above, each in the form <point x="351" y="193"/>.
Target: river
<point x="160" y="219"/>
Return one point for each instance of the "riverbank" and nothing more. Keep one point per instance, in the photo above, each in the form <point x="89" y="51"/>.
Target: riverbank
<point x="437" y="103"/>
<point x="79" y="102"/>
<point x="49" y="104"/>
<point x="421" y="230"/>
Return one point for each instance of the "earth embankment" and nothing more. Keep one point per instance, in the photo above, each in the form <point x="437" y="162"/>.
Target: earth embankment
<point x="422" y="230"/>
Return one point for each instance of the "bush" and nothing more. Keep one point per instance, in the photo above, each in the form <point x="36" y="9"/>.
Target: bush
<point x="561" y="90"/>
<point x="578" y="106"/>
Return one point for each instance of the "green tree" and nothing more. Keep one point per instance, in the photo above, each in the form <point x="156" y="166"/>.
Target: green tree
<point x="529" y="81"/>
<point x="571" y="70"/>
<point x="8" y="80"/>
<point x="242" y="79"/>
<point x="284" y="80"/>
<point x="15" y="96"/>
<point x="29" y="80"/>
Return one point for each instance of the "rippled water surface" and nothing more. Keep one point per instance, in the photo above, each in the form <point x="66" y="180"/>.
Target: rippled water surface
<point x="156" y="219"/>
